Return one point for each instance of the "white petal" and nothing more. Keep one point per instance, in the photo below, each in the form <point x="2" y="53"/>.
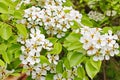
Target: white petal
<point x="107" y="57"/>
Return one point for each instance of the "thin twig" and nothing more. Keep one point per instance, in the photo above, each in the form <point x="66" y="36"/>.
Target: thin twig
<point x="104" y="70"/>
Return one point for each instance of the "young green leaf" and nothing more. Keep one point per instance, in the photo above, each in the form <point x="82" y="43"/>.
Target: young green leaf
<point x="92" y="68"/>
<point x="5" y="57"/>
<point x="3" y="8"/>
<point x="57" y="49"/>
<point x="5" y="31"/>
<point x="59" y="67"/>
<point x="81" y="72"/>
<point x="2" y="63"/>
<point x="43" y="59"/>
<point x="76" y="58"/>
<point x="22" y="29"/>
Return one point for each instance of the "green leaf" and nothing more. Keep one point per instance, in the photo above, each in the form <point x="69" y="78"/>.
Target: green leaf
<point x="76" y="58"/>
<point x="86" y="21"/>
<point x="43" y="59"/>
<point x="75" y="26"/>
<point x="13" y="48"/>
<point x="4" y="17"/>
<point x="92" y="68"/>
<point x="96" y="64"/>
<point x="66" y="63"/>
<point x="57" y="48"/>
<point x="17" y="53"/>
<point x="22" y="29"/>
<point x="65" y="74"/>
<point x="59" y="67"/>
<point x="73" y="37"/>
<point x="49" y="77"/>
<point x="16" y="63"/>
<point x="105" y="29"/>
<point x="72" y="42"/>
<point x="81" y="72"/>
<point x="5" y="57"/>
<point x="68" y="3"/>
<point x="2" y="63"/>
<point x="3" y="8"/>
<point x="3" y="48"/>
<point x="15" y="74"/>
<point x="52" y="39"/>
<point x="18" y="14"/>
<point x="74" y="46"/>
<point x="7" y="2"/>
<point x="5" y="31"/>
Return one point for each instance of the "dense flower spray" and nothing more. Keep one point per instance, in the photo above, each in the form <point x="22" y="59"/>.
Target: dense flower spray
<point x="100" y="46"/>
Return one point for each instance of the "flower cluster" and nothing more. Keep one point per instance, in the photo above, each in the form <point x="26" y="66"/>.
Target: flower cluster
<point x="32" y="47"/>
<point x="111" y="12"/>
<point x="100" y="46"/>
<point x="38" y="71"/>
<point x="55" y="18"/>
<point x="96" y="15"/>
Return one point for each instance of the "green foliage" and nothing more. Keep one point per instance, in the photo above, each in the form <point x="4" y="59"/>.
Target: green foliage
<point x="75" y="58"/>
<point x="59" y="67"/>
<point x="22" y="29"/>
<point x="72" y="42"/>
<point x="86" y="21"/>
<point x="92" y="68"/>
<point x="56" y="49"/>
<point x="5" y="57"/>
<point x="5" y="31"/>
<point x="2" y="63"/>
<point x="44" y="59"/>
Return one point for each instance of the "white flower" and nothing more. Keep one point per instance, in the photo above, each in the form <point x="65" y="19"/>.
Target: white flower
<point x="72" y="73"/>
<point x="38" y="76"/>
<point x="96" y="15"/>
<point x="27" y="48"/>
<point x="26" y="1"/>
<point x="42" y="68"/>
<point x="110" y="38"/>
<point x="32" y="13"/>
<point x="34" y="58"/>
<point x="29" y="68"/>
<point x="111" y="12"/>
<point x="58" y="77"/>
<point x="98" y="56"/>
<point x="21" y="39"/>
<point x="4" y="73"/>
<point x="52" y="68"/>
<point x="47" y="45"/>
<point x="40" y="71"/>
<point x="99" y="41"/>
<point x="53" y="58"/>
<point x="75" y="15"/>
<point x="23" y="58"/>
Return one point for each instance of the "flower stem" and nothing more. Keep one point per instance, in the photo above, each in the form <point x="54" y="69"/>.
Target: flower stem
<point x="104" y="70"/>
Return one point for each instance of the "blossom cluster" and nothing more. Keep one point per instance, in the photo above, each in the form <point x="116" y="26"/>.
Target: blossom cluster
<point x="96" y="16"/>
<point x="32" y="47"/>
<point x="31" y="52"/>
<point x="100" y="46"/>
<point x="56" y="19"/>
<point x="111" y="12"/>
